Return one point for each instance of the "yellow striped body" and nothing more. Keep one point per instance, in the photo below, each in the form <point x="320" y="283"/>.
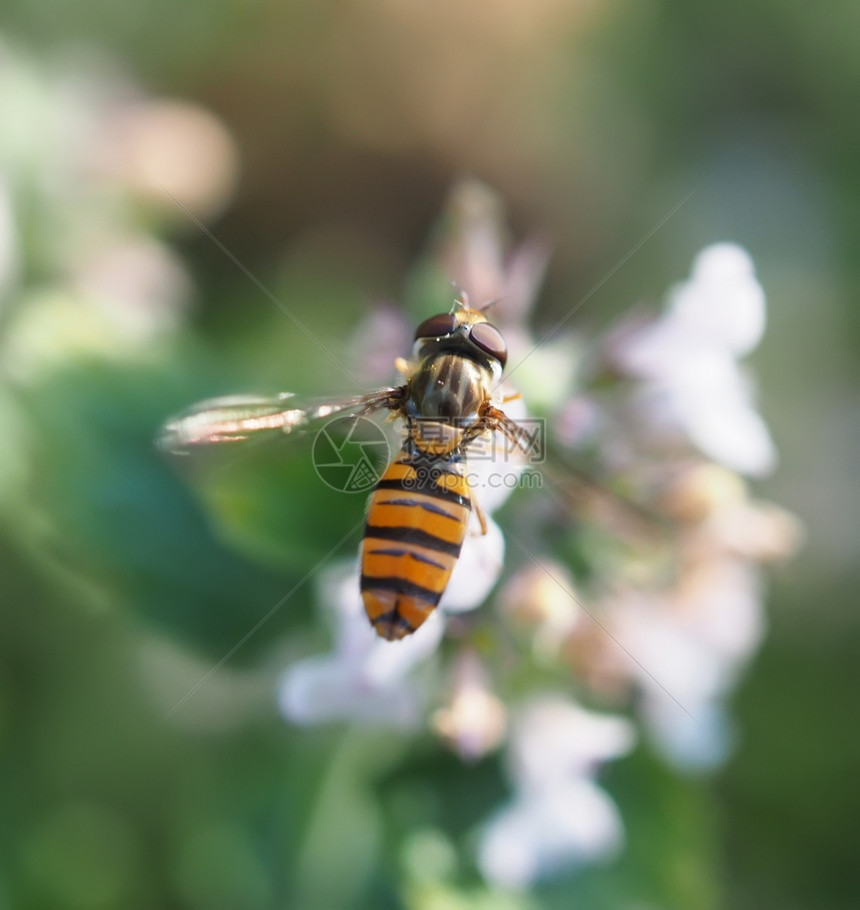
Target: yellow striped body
<point x="416" y="524"/>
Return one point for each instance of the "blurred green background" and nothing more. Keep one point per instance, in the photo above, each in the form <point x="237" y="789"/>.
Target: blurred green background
<point x="592" y="120"/>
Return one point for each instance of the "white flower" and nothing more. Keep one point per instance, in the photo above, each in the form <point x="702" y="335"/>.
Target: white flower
<point x="698" y="741"/>
<point x="685" y="650"/>
<point x="538" y="835"/>
<point x="720" y="603"/>
<point x="721" y="308"/>
<point x="559" y="818"/>
<point x="474" y="719"/>
<point x="331" y="688"/>
<point x="364" y="678"/>
<point x="687" y="361"/>
<point x="555" y="738"/>
<point x="537" y="598"/>
<point x="760" y="531"/>
<point x="722" y="304"/>
<point x="477" y="570"/>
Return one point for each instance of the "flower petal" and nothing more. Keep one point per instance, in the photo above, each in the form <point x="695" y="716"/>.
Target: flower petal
<point x="477" y="570"/>
<point x="365" y="678"/>
<point x="553" y="738"/>
<point x="326" y="688"/>
<point x="723" y="302"/>
<point x="538" y="835"/>
<point x="699" y="741"/>
<point x="474" y="719"/>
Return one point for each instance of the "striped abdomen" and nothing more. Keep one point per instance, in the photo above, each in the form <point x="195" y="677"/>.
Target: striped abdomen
<point x="416" y="524"/>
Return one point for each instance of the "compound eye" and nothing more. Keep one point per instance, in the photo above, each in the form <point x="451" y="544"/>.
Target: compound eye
<point x="436" y="326"/>
<point x="489" y="339"/>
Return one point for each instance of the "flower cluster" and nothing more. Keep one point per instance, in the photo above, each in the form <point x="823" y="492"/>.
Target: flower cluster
<point x="652" y="426"/>
<point x="91" y="169"/>
<point x="559" y="817"/>
<point x="686" y="362"/>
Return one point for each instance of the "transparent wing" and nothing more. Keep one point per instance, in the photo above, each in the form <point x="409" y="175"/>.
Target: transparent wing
<point x="237" y="417"/>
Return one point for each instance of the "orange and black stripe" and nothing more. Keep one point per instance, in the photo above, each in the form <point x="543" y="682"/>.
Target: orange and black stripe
<point x="416" y="523"/>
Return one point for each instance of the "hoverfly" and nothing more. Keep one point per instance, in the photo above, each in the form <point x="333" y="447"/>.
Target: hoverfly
<point x="419" y="511"/>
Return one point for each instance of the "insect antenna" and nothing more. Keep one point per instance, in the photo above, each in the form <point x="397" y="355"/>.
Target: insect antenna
<point x="461" y="298"/>
<point x="492" y="303"/>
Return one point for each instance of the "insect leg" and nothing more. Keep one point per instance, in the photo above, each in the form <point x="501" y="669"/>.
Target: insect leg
<point x="480" y="514"/>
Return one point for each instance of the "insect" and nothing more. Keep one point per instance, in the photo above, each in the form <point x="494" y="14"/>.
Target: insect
<point x="419" y="512"/>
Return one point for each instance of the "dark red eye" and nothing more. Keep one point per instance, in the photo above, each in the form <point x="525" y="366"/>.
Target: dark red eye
<point x="436" y="326"/>
<point x="488" y="338"/>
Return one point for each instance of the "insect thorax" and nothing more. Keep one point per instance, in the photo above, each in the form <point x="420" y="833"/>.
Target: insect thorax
<point x="448" y="387"/>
